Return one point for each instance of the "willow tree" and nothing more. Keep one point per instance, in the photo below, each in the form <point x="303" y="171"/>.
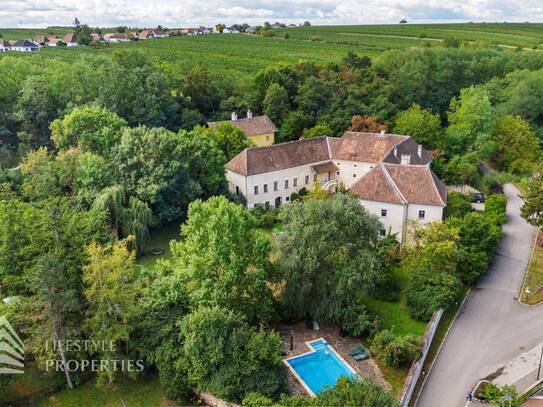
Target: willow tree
<point x="128" y="216"/>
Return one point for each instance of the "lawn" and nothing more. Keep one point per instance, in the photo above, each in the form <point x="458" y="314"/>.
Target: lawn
<point x="534" y="276"/>
<point x="143" y="392"/>
<point x="31" y="382"/>
<point x="160" y="238"/>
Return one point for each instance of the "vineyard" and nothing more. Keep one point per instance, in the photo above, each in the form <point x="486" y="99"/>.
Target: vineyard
<point x="239" y="56"/>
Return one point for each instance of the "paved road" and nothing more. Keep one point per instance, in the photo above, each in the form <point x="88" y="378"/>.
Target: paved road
<point x="492" y="327"/>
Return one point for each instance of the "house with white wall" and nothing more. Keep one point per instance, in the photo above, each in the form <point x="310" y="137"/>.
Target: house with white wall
<point x="70" y="40"/>
<point x="389" y="174"/>
<point x="24" y="46"/>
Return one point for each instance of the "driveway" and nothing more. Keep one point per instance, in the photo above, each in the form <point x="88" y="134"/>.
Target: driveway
<point x="492" y="327"/>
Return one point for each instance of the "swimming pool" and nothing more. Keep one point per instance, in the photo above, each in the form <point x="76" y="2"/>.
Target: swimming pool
<point x="319" y="368"/>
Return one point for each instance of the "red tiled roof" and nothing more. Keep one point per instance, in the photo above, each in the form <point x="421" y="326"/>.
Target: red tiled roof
<point x="277" y="157"/>
<point x="69" y="38"/>
<point x="364" y="147"/>
<point x="377" y="185"/>
<point x="251" y="126"/>
<point x="397" y="183"/>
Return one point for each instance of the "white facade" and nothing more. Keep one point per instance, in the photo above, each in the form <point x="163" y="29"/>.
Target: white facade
<point x="395" y="218"/>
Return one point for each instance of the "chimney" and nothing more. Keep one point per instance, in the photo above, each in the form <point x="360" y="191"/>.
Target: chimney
<point x="249" y="114"/>
<point x="406" y="159"/>
<point x="419" y="151"/>
<point x="234" y="116"/>
<point x="382" y="132"/>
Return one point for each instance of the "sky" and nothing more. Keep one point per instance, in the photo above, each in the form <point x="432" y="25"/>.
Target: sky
<point x="178" y="13"/>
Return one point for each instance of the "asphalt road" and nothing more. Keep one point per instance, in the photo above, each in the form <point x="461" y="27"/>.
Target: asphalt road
<point x="492" y="327"/>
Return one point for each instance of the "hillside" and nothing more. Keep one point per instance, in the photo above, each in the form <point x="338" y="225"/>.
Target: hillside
<point x="241" y="55"/>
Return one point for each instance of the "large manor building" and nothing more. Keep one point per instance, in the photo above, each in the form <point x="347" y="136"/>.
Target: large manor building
<point x="389" y="174"/>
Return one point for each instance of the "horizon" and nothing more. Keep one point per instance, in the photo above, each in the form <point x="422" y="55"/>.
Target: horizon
<point x="143" y="13"/>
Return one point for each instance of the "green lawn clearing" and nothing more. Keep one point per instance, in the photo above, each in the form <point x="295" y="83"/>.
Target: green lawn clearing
<point x="142" y="392"/>
<point x="160" y="238"/>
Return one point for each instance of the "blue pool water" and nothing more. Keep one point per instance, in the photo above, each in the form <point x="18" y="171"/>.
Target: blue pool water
<point x="321" y="368"/>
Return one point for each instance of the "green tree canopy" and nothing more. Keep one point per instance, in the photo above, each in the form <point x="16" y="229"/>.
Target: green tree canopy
<point x="421" y="124"/>
<point x="90" y="128"/>
<point x="226" y="259"/>
<point x="326" y="256"/>
<point x="230" y="359"/>
<point x="276" y="103"/>
<point x="472" y="120"/>
<point x="231" y="140"/>
<point x="517" y="146"/>
<point x="318" y="131"/>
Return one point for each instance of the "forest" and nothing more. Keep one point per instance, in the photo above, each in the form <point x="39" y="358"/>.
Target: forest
<point x="99" y="151"/>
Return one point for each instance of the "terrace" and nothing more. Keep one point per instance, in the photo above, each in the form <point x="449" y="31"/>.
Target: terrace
<point x="300" y="335"/>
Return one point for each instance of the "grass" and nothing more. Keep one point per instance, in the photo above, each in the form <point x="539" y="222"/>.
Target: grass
<point x="32" y="381"/>
<point x="534" y="276"/>
<point x="395" y="317"/>
<point x="240" y="56"/>
<point x="160" y="238"/>
<point x="133" y="392"/>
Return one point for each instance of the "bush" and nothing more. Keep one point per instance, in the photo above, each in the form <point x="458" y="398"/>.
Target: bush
<point x="256" y="400"/>
<point x="394" y="350"/>
<point x="265" y="217"/>
<point x="427" y="292"/>
<point x="458" y="205"/>
<point x="495" y="208"/>
<point x="355" y="320"/>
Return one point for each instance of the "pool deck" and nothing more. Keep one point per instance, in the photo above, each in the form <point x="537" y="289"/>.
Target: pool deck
<point x="366" y="369"/>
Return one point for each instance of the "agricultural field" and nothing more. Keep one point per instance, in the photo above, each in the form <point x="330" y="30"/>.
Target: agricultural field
<point x="240" y="56"/>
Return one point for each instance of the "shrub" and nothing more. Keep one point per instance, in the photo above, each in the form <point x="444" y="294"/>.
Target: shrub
<point x="427" y="292"/>
<point x="458" y="205"/>
<point x="265" y="217"/>
<point x="355" y="320"/>
<point x="495" y="208"/>
<point x="256" y="400"/>
<point x="394" y="350"/>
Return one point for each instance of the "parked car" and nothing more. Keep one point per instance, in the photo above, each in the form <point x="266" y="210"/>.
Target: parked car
<point x="477" y="197"/>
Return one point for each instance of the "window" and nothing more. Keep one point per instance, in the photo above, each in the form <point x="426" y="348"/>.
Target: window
<point x="315" y="178"/>
<point x="286" y="184"/>
<point x="383" y="232"/>
<point x="237" y="190"/>
<point x="354" y="175"/>
<point x="307" y="179"/>
<point x="295" y="182"/>
<point x="337" y="172"/>
<point x="356" y="165"/>
<point x="384" y="213"/>
<point x="422" y="214"/>
<point x="265" y="188"/>
<point x="287" y="198"/>
<point x="267" y="138"/>
<point x="276" y="185"/>
<point x="256" y="189"/>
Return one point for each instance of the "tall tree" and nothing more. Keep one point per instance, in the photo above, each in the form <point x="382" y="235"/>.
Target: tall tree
<point x="367" y="124"/>
<point x="276" y="103"/>
<point x="90" y="128"/>
<point x="471" y="122"/>
<point x="231" y="140"/>
<point x="421" y="124"/>
<point x="109" y="291"/>
<point x="517" y="146"/>
<point x="326" y="256"/>
<point x="532" y="210"/>
<point x="226" y="259"/>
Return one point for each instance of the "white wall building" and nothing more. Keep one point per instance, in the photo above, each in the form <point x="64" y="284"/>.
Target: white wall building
<point x="389" y="174"/>
<point x="24" y="46"/>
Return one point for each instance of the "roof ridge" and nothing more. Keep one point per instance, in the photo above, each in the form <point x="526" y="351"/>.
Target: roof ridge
<point x="435" y="185"/>
<point x="301" y="140"/>
<point x="391" y="181"/>
<point x="328" y="145"/>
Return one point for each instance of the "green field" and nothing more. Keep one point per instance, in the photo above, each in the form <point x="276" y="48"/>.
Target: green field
<point x="242" y="55"/>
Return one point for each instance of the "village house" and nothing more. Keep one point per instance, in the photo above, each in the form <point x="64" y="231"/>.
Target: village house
<point x="389" y="174"/>
<point x="70" y="40"/>
<point x="24" y="46"/>
<point x="52" y="41"/>
<point x="260" y="129"/>
<point x="115" y="37"/>
<point x="41" y="40"/>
